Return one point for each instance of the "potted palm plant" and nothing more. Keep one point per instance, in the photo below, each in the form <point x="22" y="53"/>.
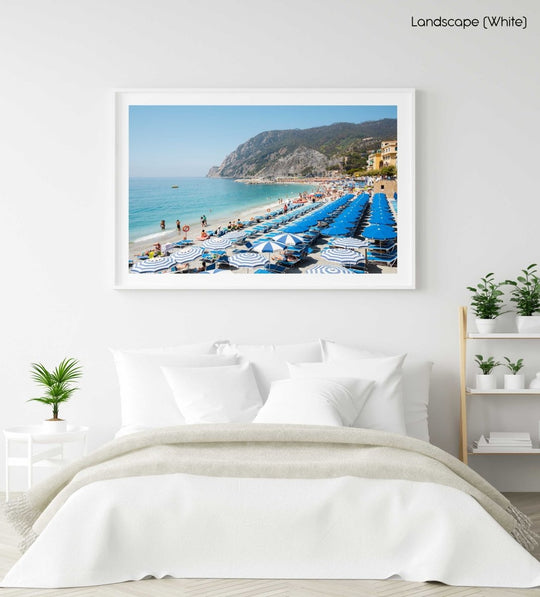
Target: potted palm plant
<point x="486" y="380"/>
<point x="525" y="295"/>
<point x="486" y="303"/>
<point x="58" y="388"/>
<point x="514" y="380"/>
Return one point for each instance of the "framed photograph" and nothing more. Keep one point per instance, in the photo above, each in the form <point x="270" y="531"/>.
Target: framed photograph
<point x="265" y="189"/>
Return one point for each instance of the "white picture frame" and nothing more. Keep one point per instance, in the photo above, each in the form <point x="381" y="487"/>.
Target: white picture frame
<point x="402" y="99"/>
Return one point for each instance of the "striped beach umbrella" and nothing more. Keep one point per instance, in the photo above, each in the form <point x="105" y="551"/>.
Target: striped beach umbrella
<point x="247" y="259"/>
<point x="150" y="266"/>
<point x="289" y="239"/>
<point x="268" y="246"/>
<point x="188" y="254"/>
<point x="344" y="256"/>
<point x="348" y="242"/>
<point x="235" y="234"/>
<point x="328" y="269"/>
<point x="217" y="244"/>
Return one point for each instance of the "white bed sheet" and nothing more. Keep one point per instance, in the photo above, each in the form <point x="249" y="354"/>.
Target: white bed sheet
<point x="195" y="526"/>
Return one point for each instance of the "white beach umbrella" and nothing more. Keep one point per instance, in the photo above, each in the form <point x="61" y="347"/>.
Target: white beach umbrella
<point x="328" y="269"/>
<point x="188" y="254"/>
<point x="235" y="234"/>
<point x="217" y="244"/>
<point x="247" y="260"/>
<point x="344" y="256"/>
<point x="348" y="242"/>
<point x="150" y="266"/>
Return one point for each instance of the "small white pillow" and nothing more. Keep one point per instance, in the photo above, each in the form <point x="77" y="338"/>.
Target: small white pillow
<point x="416" y="382"/>
<point x="384" y="407"/>
<point x="315" y="401"/>
<point x="269" y="361"/>
<point x="224" y="395"/>
<point x="146" y="399"/>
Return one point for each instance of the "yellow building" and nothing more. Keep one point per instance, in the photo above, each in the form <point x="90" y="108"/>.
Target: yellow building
<point x="389" y="153"/>
<point x="375" y="160"/>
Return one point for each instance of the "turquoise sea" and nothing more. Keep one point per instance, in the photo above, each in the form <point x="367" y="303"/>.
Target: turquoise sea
<point x="153" y="199"/>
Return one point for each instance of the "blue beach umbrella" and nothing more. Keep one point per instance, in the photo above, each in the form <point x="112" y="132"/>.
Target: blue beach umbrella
<point x="187" y="255"/>
<point x="377" y="232"/>
<point x="289" y="239"/>
<point x="268" y="246"/>
<point x="247" y="259"/>
<point x="150" y="266"/>
<point x="217" y="243"/>
<point x="328" y="269"/>
<point x="345" y="256"/>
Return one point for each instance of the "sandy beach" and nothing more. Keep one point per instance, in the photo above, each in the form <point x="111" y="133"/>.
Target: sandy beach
<point x="171" y="235"/>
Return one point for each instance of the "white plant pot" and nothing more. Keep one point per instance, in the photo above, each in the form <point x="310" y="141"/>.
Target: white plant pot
<point x="514" y="382"/>
<point x="535" y="383"/>
<point x="486" y="382"/>
<point x="486" y="326"/>
<point x="528" y="324"/>
<point x="50" y="426"/>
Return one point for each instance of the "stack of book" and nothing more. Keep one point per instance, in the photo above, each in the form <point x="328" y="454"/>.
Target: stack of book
<point x="504" y="441"/>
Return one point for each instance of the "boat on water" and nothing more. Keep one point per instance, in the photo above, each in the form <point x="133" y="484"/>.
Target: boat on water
<point x="174" y="186"/>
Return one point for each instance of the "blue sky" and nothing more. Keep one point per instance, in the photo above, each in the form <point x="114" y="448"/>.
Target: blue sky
<point x="189" y="140"/>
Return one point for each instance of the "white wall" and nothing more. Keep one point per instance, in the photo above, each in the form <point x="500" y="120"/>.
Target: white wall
<point x="477" y="203"/>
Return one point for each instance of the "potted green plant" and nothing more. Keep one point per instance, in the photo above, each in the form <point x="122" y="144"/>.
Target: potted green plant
<point x="486" y="380"/>
<point x="525" y="295"/>
<point x="514" y="380"/>
<point x="58" y="388"/>
<point x="486" y="303"/>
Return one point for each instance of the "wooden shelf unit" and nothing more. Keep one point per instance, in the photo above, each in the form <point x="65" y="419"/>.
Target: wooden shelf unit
<point x="465" y="392"/>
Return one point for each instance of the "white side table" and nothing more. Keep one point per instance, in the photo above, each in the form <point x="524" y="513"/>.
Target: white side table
<point x="32" y="436"/>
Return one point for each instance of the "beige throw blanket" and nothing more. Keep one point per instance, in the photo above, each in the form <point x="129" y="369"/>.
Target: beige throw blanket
<point x="276" y="451"/>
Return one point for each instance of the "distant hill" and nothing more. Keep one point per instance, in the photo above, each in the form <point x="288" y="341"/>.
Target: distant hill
<point x="342" y="146"/>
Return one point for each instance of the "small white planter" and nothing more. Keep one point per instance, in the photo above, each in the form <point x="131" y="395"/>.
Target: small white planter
<point x="51" y="426"/>
<point x="514" y="382"/>
<point x="486" y="326"/>
<point x="535" y="383"/>
<point x="528" y="324"/>
<point x="486" y="382"/>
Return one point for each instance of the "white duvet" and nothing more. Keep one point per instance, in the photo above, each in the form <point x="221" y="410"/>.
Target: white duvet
<point x="196" y="526"/>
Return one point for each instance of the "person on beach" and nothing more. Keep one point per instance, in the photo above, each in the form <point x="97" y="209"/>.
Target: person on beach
<point x="205" y="220"/>
<point x="178" y="227"/>
<point x="162" y="224"/>
<point x="202" y="222"/>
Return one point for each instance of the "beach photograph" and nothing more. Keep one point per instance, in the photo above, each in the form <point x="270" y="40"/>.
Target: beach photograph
<point x="251" y="190"/>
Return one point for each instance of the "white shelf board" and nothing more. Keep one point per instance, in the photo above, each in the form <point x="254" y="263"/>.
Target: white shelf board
<point x="503" y="392"/>
<point x="505" y="451"/>
<point x="504" y="336"/>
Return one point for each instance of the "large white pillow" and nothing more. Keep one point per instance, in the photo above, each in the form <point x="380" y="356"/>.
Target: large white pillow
<point x="270" y="360"/>
<point x="223" y="395"/>
<point x="315" y="401"/>
<point x="146" y="399"/>
<point x="384" y="407"/>
<point x="416" y="382"/>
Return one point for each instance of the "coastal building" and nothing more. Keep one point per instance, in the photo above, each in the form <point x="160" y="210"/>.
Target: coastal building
<point x="375" y="161"/>
<point x="389" y="153"/>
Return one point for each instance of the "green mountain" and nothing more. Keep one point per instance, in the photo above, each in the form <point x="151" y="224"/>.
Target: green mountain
<point x="342" y="146"/>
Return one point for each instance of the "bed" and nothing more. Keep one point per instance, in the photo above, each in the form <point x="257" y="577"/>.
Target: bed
<point x="299" y="461"/>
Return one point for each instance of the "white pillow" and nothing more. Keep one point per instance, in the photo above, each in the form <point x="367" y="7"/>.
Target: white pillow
<point x="334" y="402"/>
<point x="269" y="361"/>
<point x="224" y="395"/>
<point x="416" y="381"/>
<point x="384" y="407"/>
<point x="146" y="399"/>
